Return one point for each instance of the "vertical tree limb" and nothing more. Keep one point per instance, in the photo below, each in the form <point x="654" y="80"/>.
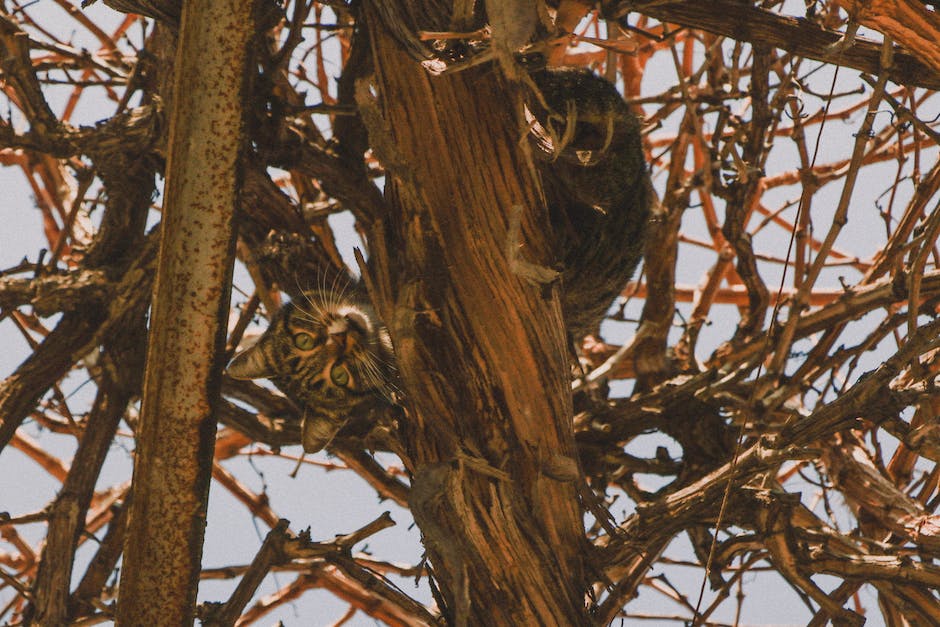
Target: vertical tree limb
<point x="102" y="564"/>
<point x="181" y="386"/>
<point x="119" y="381"/>
<point x="482" y="351"/>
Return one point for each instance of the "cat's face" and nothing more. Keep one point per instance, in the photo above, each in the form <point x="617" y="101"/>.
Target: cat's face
<point x="326" y="353"/>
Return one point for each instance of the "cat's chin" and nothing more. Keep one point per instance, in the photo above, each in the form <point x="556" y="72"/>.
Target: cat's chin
<point x="318" y="430"/>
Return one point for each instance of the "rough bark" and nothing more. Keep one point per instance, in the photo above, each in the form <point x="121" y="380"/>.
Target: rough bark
<point x="743" y="22"/>
<point x="906" y="21"/>
<point x="481" y="351"/>
<point x="163" y="544"/>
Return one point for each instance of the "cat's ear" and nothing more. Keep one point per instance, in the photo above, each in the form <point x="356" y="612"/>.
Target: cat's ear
<point x="252" y="363"/>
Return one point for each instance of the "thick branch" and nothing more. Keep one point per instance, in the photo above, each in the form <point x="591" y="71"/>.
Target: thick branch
<point x="905" y="21"/>
<point x="743" y="22"/>
<point x="123" y="361"/>
<point x="54" y="293"/>
<point x="163" y="547"/>
<point x="866" y="487"/>
<point x="481" y="350"/>
<point x="20" y="392"/>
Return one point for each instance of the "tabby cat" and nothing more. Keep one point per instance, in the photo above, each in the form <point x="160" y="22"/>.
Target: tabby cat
<point x="331" y="355"/>
<point x="327" y="353"/>
<point x="597" y="187"/>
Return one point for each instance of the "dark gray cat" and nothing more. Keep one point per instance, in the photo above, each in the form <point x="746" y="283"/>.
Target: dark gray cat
<point x="597" y="188"/>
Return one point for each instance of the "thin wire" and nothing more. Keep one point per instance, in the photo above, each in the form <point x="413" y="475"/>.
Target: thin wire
<point x="739" y="444"/>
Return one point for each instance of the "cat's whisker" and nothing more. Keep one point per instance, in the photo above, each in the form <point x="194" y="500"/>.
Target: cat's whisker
<point x="380" y="381"/>
<point x="332" y="385"/>
<point x="367" y="366"/>
<point x="334" y="299"/>
<point x="376" y="356"/>
<point x="317" y="313"/>
<point x="345" y="286"/>
<point x="300" y="288"/>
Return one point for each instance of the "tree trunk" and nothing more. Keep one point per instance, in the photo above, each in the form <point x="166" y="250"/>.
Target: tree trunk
<point x="482" y="350"/>
<point x="163" y="547"/>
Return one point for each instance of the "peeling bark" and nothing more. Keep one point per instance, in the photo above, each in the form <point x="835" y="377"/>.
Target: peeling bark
<point x="482" y="352"/>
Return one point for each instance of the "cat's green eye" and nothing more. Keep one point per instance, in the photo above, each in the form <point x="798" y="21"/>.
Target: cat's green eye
<point x="304" y="341"/>
<point x="339" y="375"/>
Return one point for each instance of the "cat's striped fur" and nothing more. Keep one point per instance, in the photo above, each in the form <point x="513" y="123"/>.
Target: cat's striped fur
<point x="328" y="353"/>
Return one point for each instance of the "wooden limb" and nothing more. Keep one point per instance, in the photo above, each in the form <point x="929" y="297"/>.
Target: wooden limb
<point x="839" y="219"/>
<point x="744" y="192"/>
<point x="871" y="396"/>
<point x="118" y="246"/>
<point x="164" y="539"/>
<point x="631" y="572"/>
<point x="915" y="277"/>
<point x="360" y="586"/>
<point x="123" y="360"/>
<point x="48" y="462"/>
<point x="336" y="175"/>
<point x="906" y="21"/>
<point x="270" y="553"/>
<point x="20" y="392"/>
<point x="662" y="248"/>
<point x="386" y="602"/>
<point x="18" y="71"/>
<point x="867" y="488"/>
<point x="840" y="595"/>
<point x="898" y="242"/>
<point x="607" y="368"/>
<point x="168" y="11"/>
<point x="746" y="22"/>
<point x="261" y="427"/>
<point x="773" y="520"/>
<point x="702" y="298"/>
<point x="365" y="465"/>
<point x="696" y="502"/>
<point x="911" y="604"/>
<point x="101" y="566"/>
<point x="50" y="294"/>
<point x="326" y="564"/>
<point x="887" y="567"/>
<point x="285" y="594"/>
<point x="444" y="284"/>
<point x="257" y="504"/>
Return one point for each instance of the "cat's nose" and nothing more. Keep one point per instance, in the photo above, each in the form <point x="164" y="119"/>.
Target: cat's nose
<point x="339" y="338"/>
